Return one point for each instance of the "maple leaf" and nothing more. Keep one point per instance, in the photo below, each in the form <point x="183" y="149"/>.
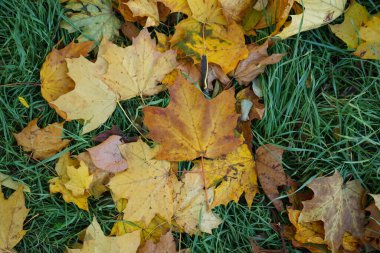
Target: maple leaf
<point x="270" y="172"/>
<point x="136" y="70"/>
<point x="54" y="79"/>
<point x="348" y="31"/>
<point x="79" y="179"/>
<point x="13" y="213"/>
<point x="235" y="10"/>
<point x="338" y="205"/>
<point x="147" y="184"/>
<point x="255" y="64"/>
<point x="145" y="8"/>
<point x="166" y="244"/>
<point x="91" y="100"/>
<point x="316" y="13"/>
<point x="231" y="175"/>
<point x="207" y="11"/>
<point x="190" y="207"/>
<point x="192" y="126"/>
<point x="96" y="241"/>
<point x="43" y="143"/>
<point x="310" y="235"/>
<point x="94" y="18"/>
<point x="57" y="184"/>
<point x="223" y="46"/>
<point x="107" y="156"/>
<point x="359" y="31"/>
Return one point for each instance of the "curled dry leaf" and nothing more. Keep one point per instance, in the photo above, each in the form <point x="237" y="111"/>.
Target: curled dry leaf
<point x="91" y="100"/>
<point x="177" y="6"/>
<point x="96" y="241"/>
<point x="136" y="70"/>
<point x="316" y="13"/>
<point x="270" y="172"/>
<point x="248" y="69"/>
<point x="147" y="184"/>
<point x="166" y="244"/>
<point x="231" y="176"/>
<point x="338" y="205"/>
<point x="13" y="214"/>
<point x="54" y="79"/>
<point x="106" y="156"/>
<point x="95" y="19"/>
<point x="190" y="207"/>
<point x="42" y="142"/>
<point x="223" y="46"/>
<point x="205" y="137"/>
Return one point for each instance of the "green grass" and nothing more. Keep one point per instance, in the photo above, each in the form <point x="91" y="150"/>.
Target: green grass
<point x="322" y="106"/>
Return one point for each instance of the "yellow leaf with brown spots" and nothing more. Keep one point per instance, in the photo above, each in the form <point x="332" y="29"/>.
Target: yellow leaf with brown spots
<point x="224" y="46"/>
<point x="231" y="176"/>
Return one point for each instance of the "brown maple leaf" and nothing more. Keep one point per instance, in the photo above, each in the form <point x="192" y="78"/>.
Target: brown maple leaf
<point x="338" y="205"/>
<point x="192" y="126"/>
<point x="44" y="142"/>
<point x="270" y="172"/>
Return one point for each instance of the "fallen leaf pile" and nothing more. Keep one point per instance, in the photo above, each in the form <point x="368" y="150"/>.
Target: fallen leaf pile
<point x="205" y="122"/>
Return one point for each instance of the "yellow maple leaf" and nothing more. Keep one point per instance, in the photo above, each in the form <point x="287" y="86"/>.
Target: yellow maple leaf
<point x="223" y="46"/>
<point x="136" y="70"/>
<point x="207" y="11"/>
<point x="43" y="143"/>
<point x="54" y="79"/>
<point x="316" y="13"/>
<point x="190" y="207"/>
<point x="91" y="100"/>
<point x="146" y="184"/>
<point x="79" y="179"/>
<point x="57" y="184"/>
<point x="96" y="241"/>
<point x="231" y="175"/>
<point x="13" y="213"/>
<point x="145" y="8"/>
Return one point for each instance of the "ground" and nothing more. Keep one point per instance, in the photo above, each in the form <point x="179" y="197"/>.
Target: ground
<point x="322" y="107"/>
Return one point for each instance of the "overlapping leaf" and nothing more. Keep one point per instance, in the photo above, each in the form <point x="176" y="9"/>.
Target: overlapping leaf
<point x="189" y="127"/>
